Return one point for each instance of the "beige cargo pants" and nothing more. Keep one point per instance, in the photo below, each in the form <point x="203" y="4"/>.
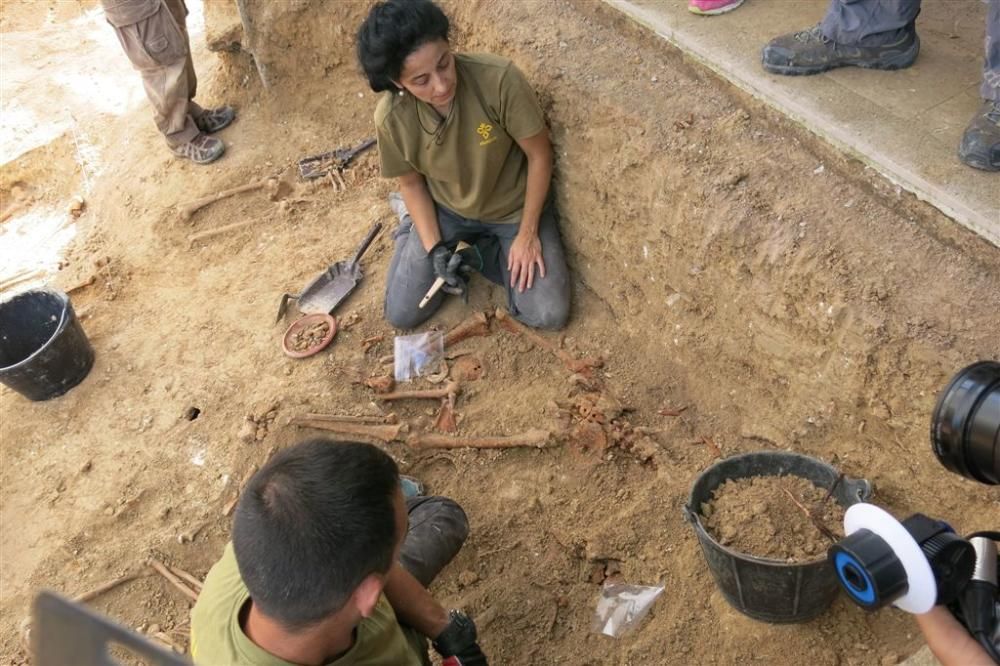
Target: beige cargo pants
<point x="154" y="36"/>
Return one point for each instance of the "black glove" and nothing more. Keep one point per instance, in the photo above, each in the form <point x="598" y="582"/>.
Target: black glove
<point x="458" y="642"/>
<point x="446" y="266"/>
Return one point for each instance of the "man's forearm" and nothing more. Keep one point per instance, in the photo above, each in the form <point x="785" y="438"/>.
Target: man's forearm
<point x="421" y="207"/>
<point x="414" y="605"/>
<point x="537" y="189"/>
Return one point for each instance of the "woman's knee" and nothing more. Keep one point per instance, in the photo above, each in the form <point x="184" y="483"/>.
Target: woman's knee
<point x="409" y="277"/>
<point x="547" y="304"/>
<point x="547" y="309"/>
<point x="405" y="315"/>
<point x="548" y="319"/>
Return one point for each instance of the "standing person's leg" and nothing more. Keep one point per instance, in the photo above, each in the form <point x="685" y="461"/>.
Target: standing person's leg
<point x="157" y="47"/>
<point x="153" y="36"/>
<point x="546" y="304"/>
<point x="178" y="9"/>
<point x="411" y="272"/>
<point x="438" y="528"/>
<point x="869" y="22"/>
<point x="206" y="120"/>
<point x="874" y="34"/>
<point x="991" y="67"/>
<point x="980" y="146"/>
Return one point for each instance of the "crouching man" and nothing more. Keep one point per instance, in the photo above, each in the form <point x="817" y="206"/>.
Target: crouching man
<point x="329" y="564"/>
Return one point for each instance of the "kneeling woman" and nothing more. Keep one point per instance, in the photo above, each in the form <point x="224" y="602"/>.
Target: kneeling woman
<point x="466" y="139"/>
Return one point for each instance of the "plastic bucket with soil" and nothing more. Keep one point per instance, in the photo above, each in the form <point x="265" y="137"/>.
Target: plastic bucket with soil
<point x="43" y="349"/>
<point x="765" y="551"/>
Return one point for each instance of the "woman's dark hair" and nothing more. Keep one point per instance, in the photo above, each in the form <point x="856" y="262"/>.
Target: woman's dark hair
<point x="312" y="524"/>
<point x="393" y="30"/>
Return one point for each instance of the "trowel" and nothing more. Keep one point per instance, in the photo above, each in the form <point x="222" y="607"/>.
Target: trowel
<point x="332" y="286"/>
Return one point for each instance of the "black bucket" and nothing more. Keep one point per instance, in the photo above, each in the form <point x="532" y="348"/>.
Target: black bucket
<point x="43" y="349"/>
<point x="765" y="589"/>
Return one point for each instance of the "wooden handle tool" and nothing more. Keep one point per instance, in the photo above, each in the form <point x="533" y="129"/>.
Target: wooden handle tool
<point x="439" y="282"/>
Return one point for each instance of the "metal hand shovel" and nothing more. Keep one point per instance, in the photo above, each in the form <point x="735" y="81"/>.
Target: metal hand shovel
<point x="333" y="285"/>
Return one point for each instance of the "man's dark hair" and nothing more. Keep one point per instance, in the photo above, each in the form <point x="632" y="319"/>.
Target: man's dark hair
<point x="393" y="30"/>
<point x="312" y="524"/>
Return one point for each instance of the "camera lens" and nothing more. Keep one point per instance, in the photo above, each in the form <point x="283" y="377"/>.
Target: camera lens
<point x="965" y="428"/>
<point x="868" y="569"/>
<point x="874" y="564"/>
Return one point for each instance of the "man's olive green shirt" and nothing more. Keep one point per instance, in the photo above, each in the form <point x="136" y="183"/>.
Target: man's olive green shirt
<point x="218" y="640"/>
<point x="470" y="159"/>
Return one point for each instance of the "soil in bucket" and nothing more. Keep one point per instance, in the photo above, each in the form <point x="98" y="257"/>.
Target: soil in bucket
<point x="758" y="516"/>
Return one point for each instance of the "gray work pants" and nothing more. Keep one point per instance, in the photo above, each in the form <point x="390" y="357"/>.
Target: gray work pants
<point x="991" y="70"/>
<point x="880" y="22"/>
<point x="438" y="528"/>
<point x="411" y="273"/>
<point x="153" y="34"/>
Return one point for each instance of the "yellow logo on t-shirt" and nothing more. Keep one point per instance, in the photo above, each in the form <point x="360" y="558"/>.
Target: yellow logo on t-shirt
<point x="484" y="130"/>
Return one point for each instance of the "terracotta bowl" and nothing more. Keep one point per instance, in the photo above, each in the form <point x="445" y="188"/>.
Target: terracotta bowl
<point x="302" y="324"/>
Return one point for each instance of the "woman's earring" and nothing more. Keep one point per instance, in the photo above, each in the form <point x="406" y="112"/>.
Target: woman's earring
<point x="401" y="92"/>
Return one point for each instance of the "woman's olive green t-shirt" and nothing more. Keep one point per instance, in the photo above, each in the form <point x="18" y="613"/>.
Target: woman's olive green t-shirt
<point x="470" y="159"/>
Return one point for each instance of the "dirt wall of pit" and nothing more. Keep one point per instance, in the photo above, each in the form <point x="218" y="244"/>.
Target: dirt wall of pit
<point x="727" y="242"/>
<point x="725" y="262"/>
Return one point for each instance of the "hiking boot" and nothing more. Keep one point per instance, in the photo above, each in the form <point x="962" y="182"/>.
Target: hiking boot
<point x="810" y="52"/>
<point x="213" y="120"/>
<point x="202" y="149"/>
<point x="712" y="7"/>
<point x="980" y="147"/>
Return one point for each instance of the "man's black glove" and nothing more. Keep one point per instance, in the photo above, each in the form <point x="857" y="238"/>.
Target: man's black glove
<point x="457" y="643"/>
<point x="446" y="266"/>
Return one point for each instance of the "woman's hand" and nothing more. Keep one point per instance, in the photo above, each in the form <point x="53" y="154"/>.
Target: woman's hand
<point x="525" y="255"/>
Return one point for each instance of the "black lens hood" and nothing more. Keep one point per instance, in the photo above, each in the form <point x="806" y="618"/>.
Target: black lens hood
<point x="965" y="427"/>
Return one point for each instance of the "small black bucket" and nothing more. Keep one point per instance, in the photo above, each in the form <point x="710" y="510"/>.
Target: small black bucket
<point x="765" y="589"/>
<point x="43" y="349"/>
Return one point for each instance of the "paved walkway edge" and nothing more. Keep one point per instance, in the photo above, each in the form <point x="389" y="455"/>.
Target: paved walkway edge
<point x="870" y="155"/>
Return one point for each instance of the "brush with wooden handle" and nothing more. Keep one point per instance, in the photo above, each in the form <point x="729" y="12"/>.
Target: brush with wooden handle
<point x="439" y="282"/>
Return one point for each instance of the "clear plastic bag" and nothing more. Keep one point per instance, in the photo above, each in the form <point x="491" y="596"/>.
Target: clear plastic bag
<point x="622" y="607"/>
<point x="417" y="355"/>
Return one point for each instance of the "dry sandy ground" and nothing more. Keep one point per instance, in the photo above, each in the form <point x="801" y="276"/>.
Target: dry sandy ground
<point x="719" y="268"/>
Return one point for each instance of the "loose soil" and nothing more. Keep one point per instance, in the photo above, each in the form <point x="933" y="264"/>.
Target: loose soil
<point x="715" y="268"/>
<point x="756" y="516"/>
